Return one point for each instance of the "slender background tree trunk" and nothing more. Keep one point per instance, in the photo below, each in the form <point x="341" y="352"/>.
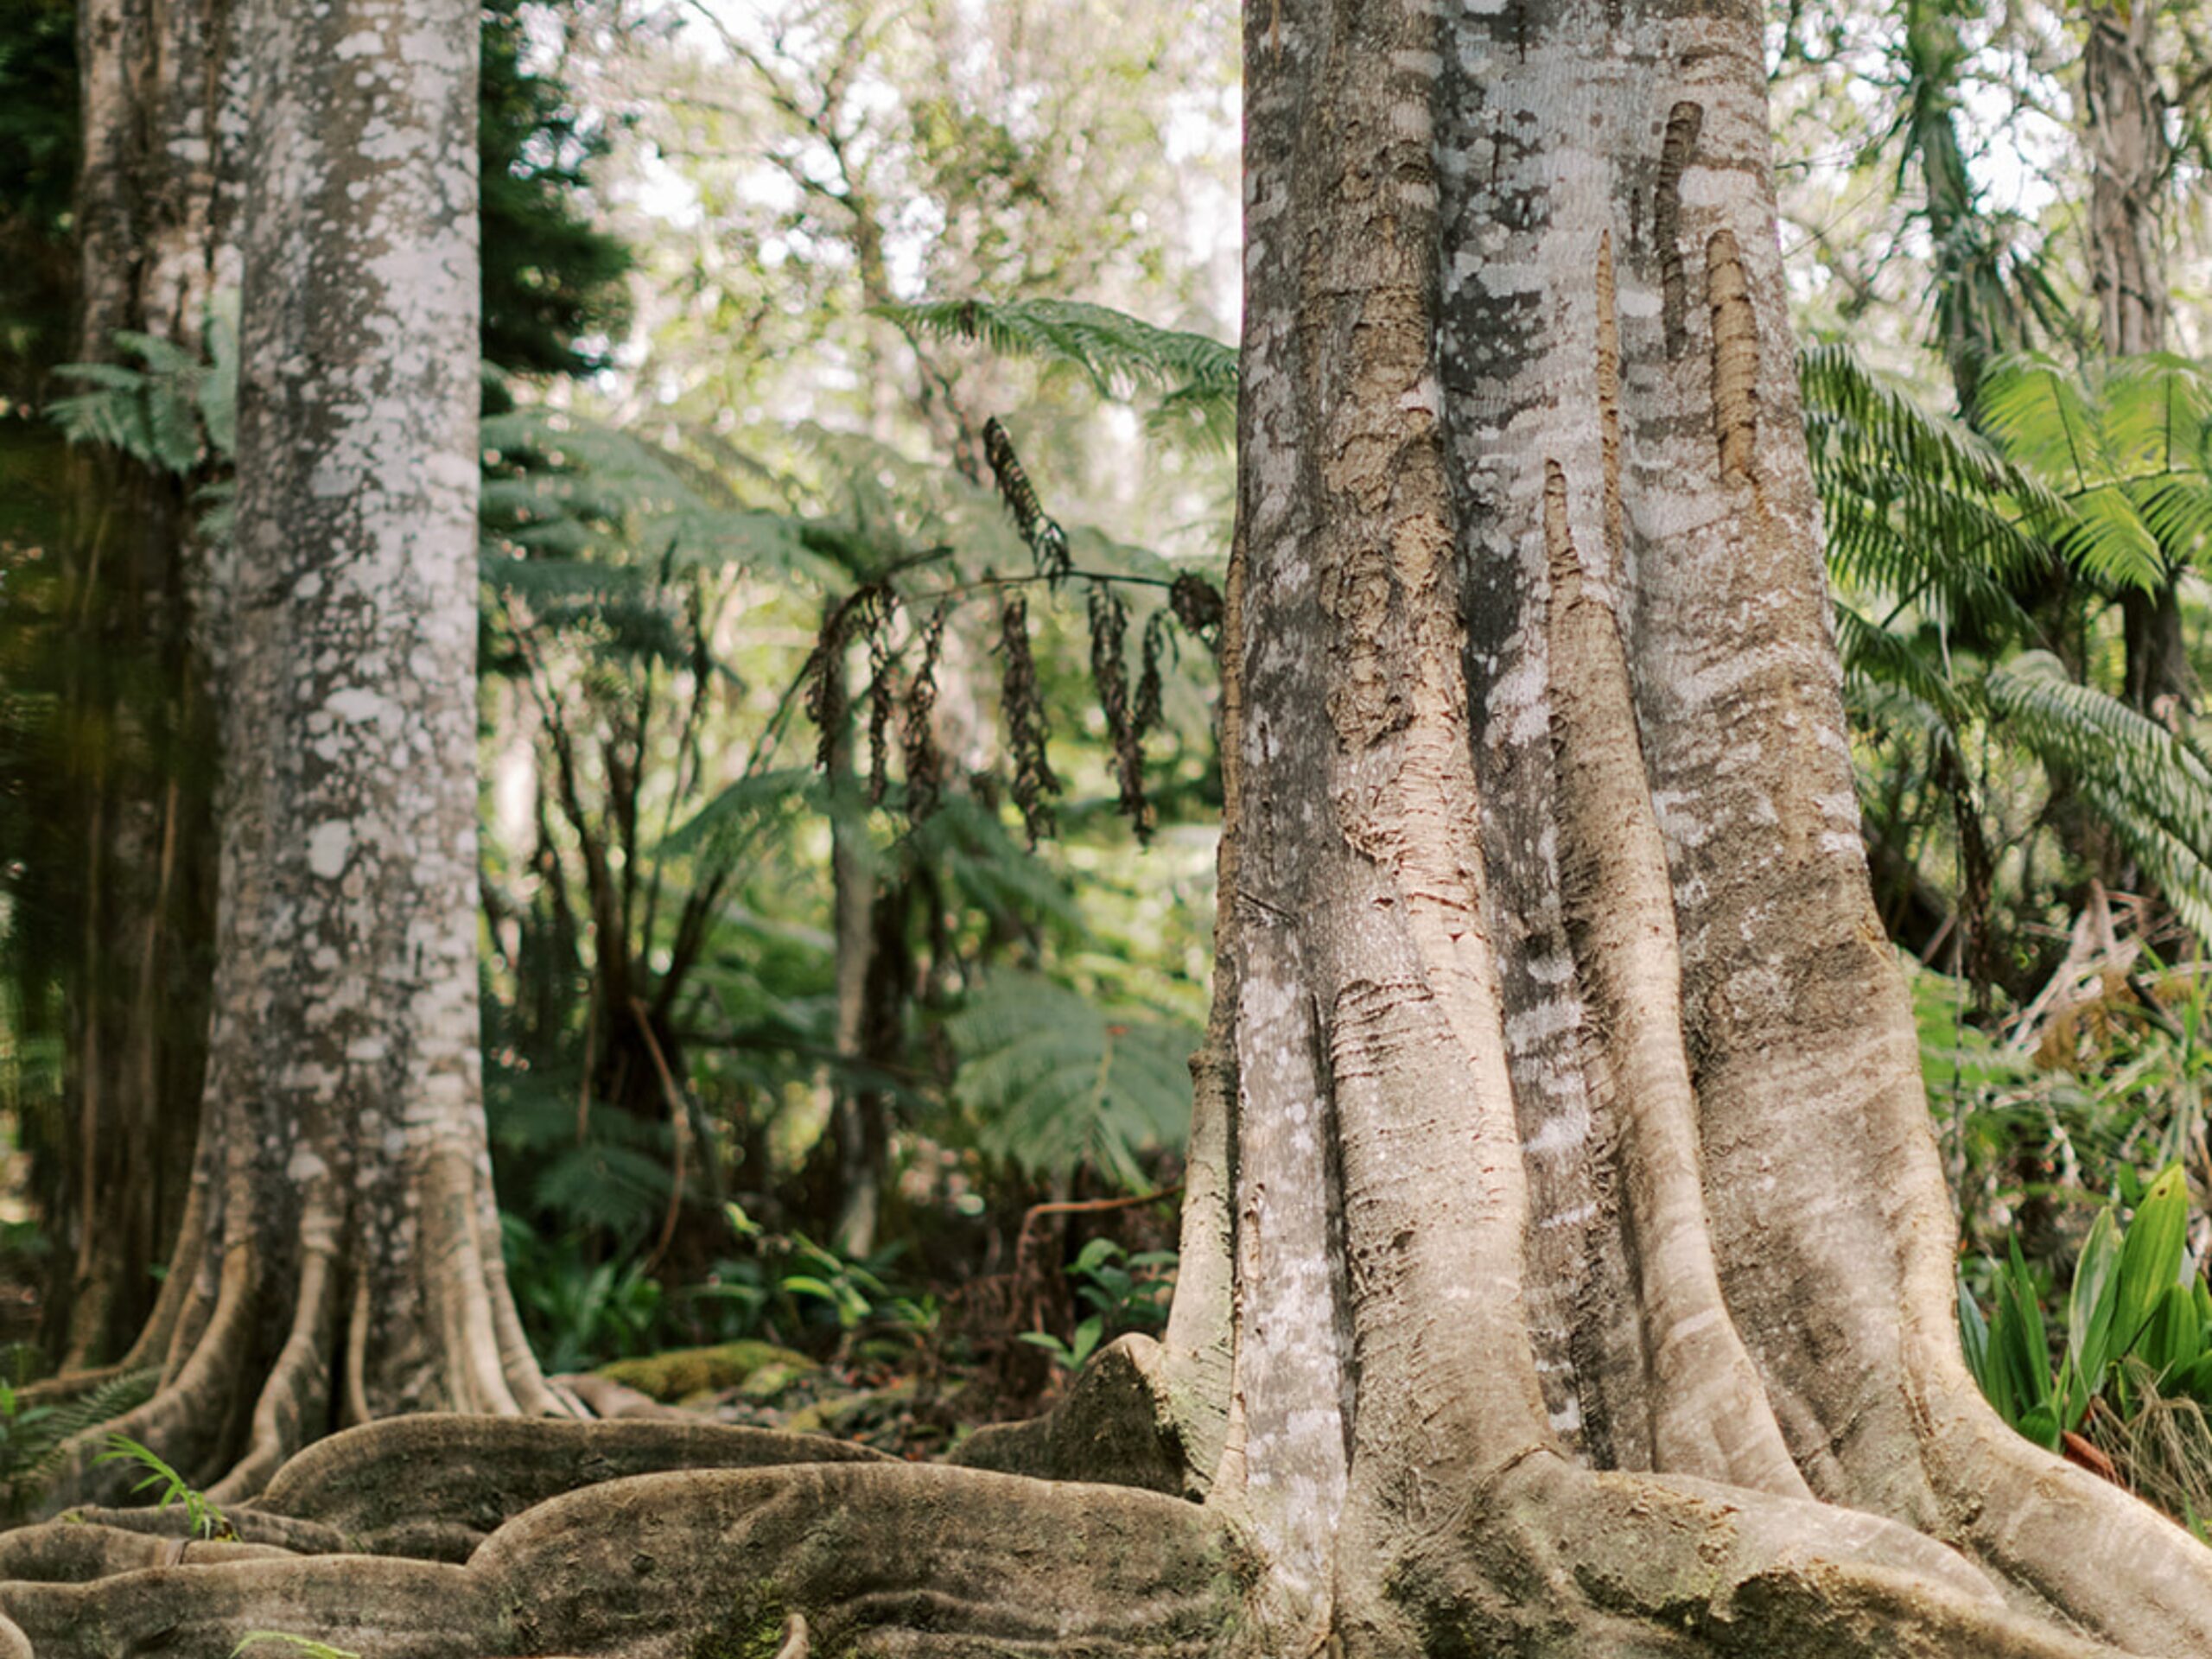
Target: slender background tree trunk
<point x="2124" y="117"/>
<point x="157" y="198"/>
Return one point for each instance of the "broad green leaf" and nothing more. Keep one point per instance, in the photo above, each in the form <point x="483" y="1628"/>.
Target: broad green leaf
<point x="2091" y="1303"/>
<point x="2150" y="1258"/>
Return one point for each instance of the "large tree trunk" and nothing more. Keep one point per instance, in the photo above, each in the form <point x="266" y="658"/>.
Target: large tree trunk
<point x="1578" y="1123"/>
<point x="1567" y="1268"/>
<point x="157" y="200"/>
<point x="340" y="1259"/>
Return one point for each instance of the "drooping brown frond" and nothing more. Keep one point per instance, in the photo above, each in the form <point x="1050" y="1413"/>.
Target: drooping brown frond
<point x="1035" y="784"/>
<point x="925" y="760"/>
<point x="1155" y="643"/>
<point x="827" y="704"/>
<point x="882" y="696"/>
<point x="1109" y="674"/>
<point x="1048" y="542"/>
<point x="1198" y="606"/>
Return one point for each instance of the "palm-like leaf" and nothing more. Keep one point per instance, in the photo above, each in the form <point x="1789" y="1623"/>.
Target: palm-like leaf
<point x="2153" y="789"/>
<point x="1193" y="376"/>
<point x="1051" y="1079"/>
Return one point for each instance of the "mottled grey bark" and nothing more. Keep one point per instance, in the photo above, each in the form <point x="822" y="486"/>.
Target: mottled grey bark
<point x="1567" y="1268"/>
<point x="341" y="1261"/>
<point x="1578" y="1125"/>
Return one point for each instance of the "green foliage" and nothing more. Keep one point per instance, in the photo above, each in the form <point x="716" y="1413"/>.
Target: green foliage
<point x="31" y="1437"/>
<point x="2150" y="785"/>
<point x="38" y="164"/>
<point x="302" y="1644"/>
<point x="204" y="1518"/>
<point x="178" y="413"/>
<point x="1962" y="561"/>
<point x="553" y="282"/>
<point x="2135" y="1297"/>
<point x="577" y="1311"/>
<point x="1051" y="1078"/>
<point x="1192" y="377"/>
<point x="794" y="1292"/>
<point x="1125" y="1293"/>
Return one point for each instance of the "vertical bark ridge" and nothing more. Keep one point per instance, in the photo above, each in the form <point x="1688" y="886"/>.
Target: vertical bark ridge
<point x="1290" y="1379"/>
<point x="1708" y="1411"/>
<point x="1684" y="122"/>
<point x="1199" y="1341"/>
<point x="1735" y="355"/>
<point x="293" y="1401"/>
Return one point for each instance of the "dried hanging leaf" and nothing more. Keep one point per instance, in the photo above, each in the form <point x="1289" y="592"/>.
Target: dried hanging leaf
<point x="1197" y="607"/>
<point x="1148" y="691"/>
<point x="1048" y="542"/>
<point x="826" y="705"/>
<point x="1110" y="676"/>
<point x="882" y="692"/>
<point x="1034" y="785"/>
<point x="925" y="760"/>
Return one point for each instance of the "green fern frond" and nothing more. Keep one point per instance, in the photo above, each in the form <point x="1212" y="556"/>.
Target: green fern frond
<point x="1118" y="354"/>
<point x="2176" y="509"/>
<point x="2108" y="543"/>
<point x="724" y="826"/>
<point x="604" y="1186"/>
<point x="1890" y="660"/>
<point x="2155" y="412"/>
<point x="1052" y="1080"/>
<point x="990" y="866"/>
<point x="1850" y="412"/>
<point x="2154" y="789"/>
<point x="583" y="490"/>
<point x="1194" y="377"/>
<point x="32" y="1449"/>
<point x="2041" y="416"/>
<point x="175" y="413"/>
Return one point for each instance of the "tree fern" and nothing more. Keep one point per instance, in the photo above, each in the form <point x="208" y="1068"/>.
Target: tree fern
<point x="2153" y="789"/>
<point x="1940" y="539"/>
<point x="1051" y="1079"/>
<point x="1192" y="377"/>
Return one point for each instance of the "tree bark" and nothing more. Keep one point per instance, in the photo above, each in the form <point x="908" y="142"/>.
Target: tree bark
<point x="340" y="1258"/>
<point x="1567" y="1265"/>
<point x="1578" y="1122"/>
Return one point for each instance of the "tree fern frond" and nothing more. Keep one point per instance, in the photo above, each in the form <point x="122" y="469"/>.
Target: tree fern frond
<point x="1118" y="354"/>
<point x="604" y="1186"/>
<point x="2107" y="541"/>
<point x="1877" y="655"/>
<point x="1053" y="1080"/>
<point x="1882" y="709"/>
<point x="991" y="868"/>
<point x="1852" y="412"/>
<point x="2041" y="417"/>
<point x="2155" y="412"/>
<point x="2150" y="784"/>
<point x="2176" y="509"/>
<point x="725" y="826"/>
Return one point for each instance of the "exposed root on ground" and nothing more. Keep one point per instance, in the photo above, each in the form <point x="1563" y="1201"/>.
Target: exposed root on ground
<point x="873" y="1558"/>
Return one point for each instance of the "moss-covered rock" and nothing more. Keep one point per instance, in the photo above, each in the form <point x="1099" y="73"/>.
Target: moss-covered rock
<point x="682" y="1372"/>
